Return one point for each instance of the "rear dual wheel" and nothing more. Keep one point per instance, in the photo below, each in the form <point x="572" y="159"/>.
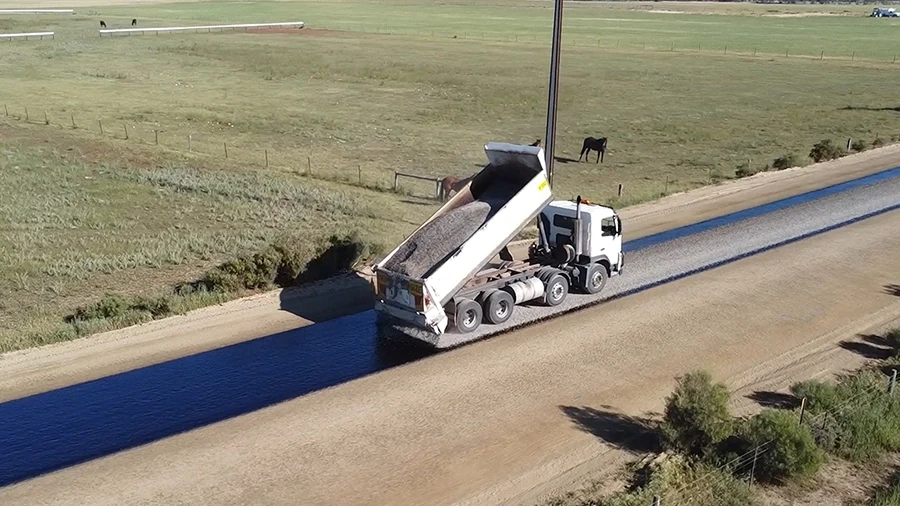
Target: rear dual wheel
<point x="468" y="315"/>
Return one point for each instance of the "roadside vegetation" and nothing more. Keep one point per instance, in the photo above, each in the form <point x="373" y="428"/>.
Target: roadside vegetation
<point x="710" y="456"/>
<point x="142" y="163"/>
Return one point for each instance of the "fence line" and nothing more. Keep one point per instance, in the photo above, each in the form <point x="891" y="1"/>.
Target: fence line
<point x="25" y="36"/>
<point x="379" y="178"/>
<point x="37" y="11"/>
<point x="679" y="494"/>
<point x="208" y="28"/>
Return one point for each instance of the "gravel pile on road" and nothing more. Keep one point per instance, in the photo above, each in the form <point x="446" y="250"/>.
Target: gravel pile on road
<point x="667" y="260"/>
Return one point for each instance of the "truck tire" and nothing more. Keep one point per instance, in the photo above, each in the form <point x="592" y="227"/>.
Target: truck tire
<point x="498" y="306"/>
<point x="556" y="291"/>
<point x="595" y="280"/>
<point x="468" y="315"/>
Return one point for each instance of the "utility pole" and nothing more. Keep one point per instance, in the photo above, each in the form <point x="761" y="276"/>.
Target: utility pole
<point x="550" y="137"/>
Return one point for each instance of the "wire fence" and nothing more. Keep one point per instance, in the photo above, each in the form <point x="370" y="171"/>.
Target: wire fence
<point x="744" y="466"/>
<point x="297" y="160"/>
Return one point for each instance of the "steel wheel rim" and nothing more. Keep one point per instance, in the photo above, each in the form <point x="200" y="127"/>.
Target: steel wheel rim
<point x="502" y="309"/>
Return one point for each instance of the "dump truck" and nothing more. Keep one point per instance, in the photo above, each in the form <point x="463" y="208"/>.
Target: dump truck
<point x="456" y="271"/>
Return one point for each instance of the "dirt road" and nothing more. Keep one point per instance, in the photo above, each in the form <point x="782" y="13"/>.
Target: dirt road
<point x="486" y="423"/>
<point x="33" y="371"/>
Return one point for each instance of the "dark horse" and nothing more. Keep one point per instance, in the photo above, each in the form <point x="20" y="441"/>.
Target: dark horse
<point x="453" y="184"/>
<point x="598" y="145"/>
<point x="102" y="24"/>
<point x="133" y="22"/>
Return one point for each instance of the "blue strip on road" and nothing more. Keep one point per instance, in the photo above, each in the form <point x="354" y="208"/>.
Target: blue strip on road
<point x="53" y="430"/>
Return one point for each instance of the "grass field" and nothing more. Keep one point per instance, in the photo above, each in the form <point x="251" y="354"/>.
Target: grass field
<point x="372" y="87"/>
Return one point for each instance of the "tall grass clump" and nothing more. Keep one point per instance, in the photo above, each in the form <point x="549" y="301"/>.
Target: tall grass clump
<point x="856" y="418"/>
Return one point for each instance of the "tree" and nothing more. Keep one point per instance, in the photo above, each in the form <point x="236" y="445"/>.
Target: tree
<point x="696" y="415"/>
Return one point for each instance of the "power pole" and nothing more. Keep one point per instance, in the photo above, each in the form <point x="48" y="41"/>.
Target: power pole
<point x="550" y="137"/>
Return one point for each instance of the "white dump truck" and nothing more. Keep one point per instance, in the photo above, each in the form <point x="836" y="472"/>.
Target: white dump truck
<point x="448" y="270"/>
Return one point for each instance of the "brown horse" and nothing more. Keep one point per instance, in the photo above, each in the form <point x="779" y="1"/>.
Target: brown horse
<point x="453" y="184"/>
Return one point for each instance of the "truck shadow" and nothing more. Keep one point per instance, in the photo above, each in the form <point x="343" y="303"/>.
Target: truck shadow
<point x="619" y="430"/>
<point x="347" y="294"/>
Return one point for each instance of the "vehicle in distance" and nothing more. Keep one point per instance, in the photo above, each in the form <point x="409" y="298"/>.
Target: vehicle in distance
<point x="445" y="278"/>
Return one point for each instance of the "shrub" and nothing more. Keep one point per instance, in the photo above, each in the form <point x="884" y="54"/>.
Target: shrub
<point x="826" y="150"/>
<point x="112" y="305"/>
<point x="855" y="419"/>
<point x="878" y="142"/>
<point x="789" y="450"/>
<point x="696" y="415"/>
<point x="745" y="170"/>
<point x="859" y="145"/>
<point x="785" y="162"/>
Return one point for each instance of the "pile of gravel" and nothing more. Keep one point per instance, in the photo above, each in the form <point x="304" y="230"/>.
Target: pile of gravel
<point x="492" y="188"/>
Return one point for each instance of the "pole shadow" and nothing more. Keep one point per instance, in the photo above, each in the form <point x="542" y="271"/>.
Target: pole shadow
<point x="622" y="431"/>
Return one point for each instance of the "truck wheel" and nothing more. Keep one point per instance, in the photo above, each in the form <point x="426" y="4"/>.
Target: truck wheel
<point x="595" y="280"/>
<point x="557" y="289"/>
<point x="498" y="307"/>
<point x="468" y="315"/>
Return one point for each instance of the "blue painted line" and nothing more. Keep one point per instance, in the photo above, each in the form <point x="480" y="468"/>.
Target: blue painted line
<point x="746" y="214"/>
<point x="60" y="428"/>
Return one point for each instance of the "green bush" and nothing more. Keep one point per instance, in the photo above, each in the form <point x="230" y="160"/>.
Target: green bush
<point x="855" y="419"/>
<point x="677" y="480"/>
<point x="878" y="142"/>
<point x="789" y="449"/>
<point x="786" y="162"/>
<point x="826" y="150"/>
<point x="696" y="415"/>
<point x="859" y="145"/>
<point x="112" y="305"/>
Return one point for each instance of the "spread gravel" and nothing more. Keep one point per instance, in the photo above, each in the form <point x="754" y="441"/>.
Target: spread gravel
<point x="659" y="263"/>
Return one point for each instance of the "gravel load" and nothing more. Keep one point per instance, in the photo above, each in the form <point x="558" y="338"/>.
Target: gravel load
<point x="426" y="249"/>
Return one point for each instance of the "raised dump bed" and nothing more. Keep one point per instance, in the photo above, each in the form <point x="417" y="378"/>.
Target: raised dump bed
<point x="442" y="271"/>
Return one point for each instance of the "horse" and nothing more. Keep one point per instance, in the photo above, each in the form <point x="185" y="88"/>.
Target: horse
<point x="102" y="24"/>
<point x="597" y="144"/>
<point x="453" y="184"/>
<point x="133" y="22"/>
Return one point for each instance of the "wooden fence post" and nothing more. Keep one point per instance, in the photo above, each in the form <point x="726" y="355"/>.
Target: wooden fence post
<point x="621" y="189"/>
<point x="359" y="173"/>
<point x="46" y="119"/>
<point x="125" y="127"/>
<point x="849" y="141"/>
<point x="190" y="142"/>
<point x="6" y="108"/>
<point x="156" y="136"/>
<point x="267" y="157"/>
<point x="100" y="122"/>
<point x="802" y="410"/>
<point x="26" y="113"/>
<point x="396" y="180"/>
<point x="309" y="165"/>
<point x="225" y="145"/>
<point x="73" y="122"/>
